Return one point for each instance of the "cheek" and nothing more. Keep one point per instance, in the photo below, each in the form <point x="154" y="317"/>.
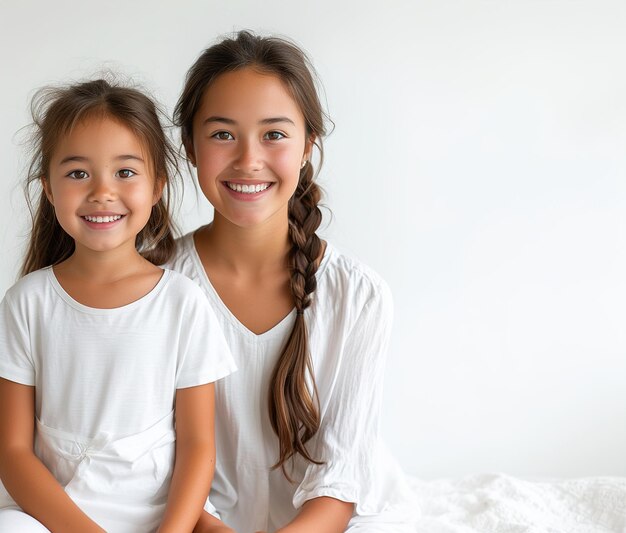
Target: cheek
<point x="54" y="188"/>
<point x="210" y="163"/>
<point x="287" y="163"/>
<point x="139" y="196"/>
<point x="63" y="197"/>
<point x="288" y="158"/>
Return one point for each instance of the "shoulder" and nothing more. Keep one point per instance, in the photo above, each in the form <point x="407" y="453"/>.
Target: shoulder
<point x="347" y="275"/>
<point x="30" y="297"/>
<point x="186" y="299"/>
<point x="351" y="315"/>
<point x="347" y="285"/>
<point x="29" y="286"/>
<point x="180" y="287"/>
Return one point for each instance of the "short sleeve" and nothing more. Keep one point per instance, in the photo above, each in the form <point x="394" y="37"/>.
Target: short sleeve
<point x="348" y="437"/>
<point x="16" y="362"/>
<point x="204" y="355"/>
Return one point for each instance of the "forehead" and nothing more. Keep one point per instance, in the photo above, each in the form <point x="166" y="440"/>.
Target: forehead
<point x="248" y="94"/>
<point x="99" y="136"/>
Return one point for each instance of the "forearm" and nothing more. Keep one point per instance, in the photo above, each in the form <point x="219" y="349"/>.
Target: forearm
<point x="39" y="494"/>
<point x="191" y="482"/>
<point x="321" y="515"/>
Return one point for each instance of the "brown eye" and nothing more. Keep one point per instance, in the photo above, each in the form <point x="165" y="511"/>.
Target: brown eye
<point x="78" y="174"/>
<point x="274" y="135"/>
<point x="125" y="173"/>
<point x="223" y="136"/>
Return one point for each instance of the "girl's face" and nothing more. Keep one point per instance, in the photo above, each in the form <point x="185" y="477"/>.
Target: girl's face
<point x="249" y="143"/>
<point x="101" y="185"/>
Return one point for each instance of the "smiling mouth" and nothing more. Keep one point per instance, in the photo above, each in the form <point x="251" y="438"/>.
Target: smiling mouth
<point x="248" y="189"/>
<point x="102" y="219"/>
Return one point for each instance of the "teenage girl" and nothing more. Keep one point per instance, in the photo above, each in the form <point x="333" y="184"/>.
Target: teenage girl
<point x="297" y="425"/>
<point x="100" y="350"/>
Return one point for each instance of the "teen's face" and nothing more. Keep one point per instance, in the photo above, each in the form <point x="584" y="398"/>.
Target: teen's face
<point x="101" y="185"/>
<point x="249" y="143"/>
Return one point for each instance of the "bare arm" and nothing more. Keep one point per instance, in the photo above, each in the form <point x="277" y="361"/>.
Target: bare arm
<point x="321" y="515"/>
<point x="318" y="515"/>
<point x="195" y="458"/>
<point x="209" y="524"/>
<point x="25" y="477"/>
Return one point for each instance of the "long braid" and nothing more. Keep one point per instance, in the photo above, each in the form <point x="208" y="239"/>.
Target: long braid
<point x="304" y="219"/>
<point x="293" y="406"/>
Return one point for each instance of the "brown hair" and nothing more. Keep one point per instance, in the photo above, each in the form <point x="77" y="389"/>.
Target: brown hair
<point x="55" y="112"/>
<point x="293" y="406"/>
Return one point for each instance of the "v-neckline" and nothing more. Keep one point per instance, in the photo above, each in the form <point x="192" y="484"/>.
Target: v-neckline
<point x="279" y="329"/>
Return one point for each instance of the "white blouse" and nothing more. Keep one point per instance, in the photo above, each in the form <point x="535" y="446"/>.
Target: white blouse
<point x="349" y="324"/>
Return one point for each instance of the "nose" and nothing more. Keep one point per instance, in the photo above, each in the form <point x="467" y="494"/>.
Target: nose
<point x="249" y="156"/>
<point x="102" y="190"/>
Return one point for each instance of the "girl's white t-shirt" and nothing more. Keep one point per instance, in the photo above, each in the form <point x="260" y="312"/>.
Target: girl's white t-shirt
<point x="109" y="371"/>
<point x="349" y="324"/>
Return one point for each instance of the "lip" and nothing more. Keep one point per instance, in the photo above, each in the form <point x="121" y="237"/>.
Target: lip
<point x="101" y="214"/>
<point x="247" y="182"/>
<point x="247" y="197"/>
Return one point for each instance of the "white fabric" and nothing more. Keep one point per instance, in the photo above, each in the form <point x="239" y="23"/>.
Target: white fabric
<point x="504" y="504"/>
<point x="106" y="381"/>
<point x="349" y="324"/>
<point x="18" y="521"/>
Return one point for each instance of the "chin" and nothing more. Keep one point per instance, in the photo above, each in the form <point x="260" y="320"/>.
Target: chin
<point x="248" y="221"/>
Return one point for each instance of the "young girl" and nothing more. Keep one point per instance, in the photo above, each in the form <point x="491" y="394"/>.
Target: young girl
<point x="101" y="350"/>
<point x="297" y="430"/>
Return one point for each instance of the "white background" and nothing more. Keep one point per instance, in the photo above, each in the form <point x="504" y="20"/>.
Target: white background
<point x="478" y="163"/>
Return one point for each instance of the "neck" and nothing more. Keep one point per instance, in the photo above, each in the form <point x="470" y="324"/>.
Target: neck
<point x="248" y="249"/>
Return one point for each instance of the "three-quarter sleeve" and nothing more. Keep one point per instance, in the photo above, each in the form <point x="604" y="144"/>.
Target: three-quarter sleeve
<point x="347" y="440"/>
<point x="16" y="363"/>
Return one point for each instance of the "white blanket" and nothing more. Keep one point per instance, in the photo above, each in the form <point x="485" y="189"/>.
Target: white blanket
<point x="503" y="504"/>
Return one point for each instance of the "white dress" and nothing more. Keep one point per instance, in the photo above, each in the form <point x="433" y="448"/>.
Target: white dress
<point x="349" y="324"/>
<point x="105" y="383"/>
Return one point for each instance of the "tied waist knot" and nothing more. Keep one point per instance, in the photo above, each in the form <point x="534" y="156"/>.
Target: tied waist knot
<point x="130" y="448"/>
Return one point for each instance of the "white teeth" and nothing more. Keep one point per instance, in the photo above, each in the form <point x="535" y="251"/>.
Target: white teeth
<point x="247" y="189"/>
<point x="102" y="220"/>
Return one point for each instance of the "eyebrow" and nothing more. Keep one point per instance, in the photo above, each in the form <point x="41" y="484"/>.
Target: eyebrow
<point x="82" y="159"/>
<point x="272" y="120"/>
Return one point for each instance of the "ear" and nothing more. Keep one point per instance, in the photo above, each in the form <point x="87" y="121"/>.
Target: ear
<point x="45" y="183"/>
<point x="158" y="190"/>
<point x="191" y="154"/>
<point x="308" y="148"/>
